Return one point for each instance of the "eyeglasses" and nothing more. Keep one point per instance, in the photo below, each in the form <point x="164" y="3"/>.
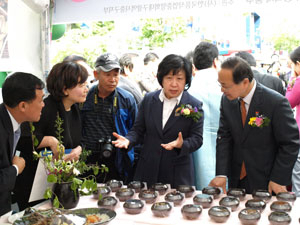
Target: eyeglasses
<point x="225" y="88"/>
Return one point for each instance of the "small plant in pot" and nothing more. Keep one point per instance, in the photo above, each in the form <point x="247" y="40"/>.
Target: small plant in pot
<point x="66" y="175"/>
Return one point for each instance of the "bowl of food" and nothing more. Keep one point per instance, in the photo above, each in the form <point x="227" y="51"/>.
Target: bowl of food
<point x="101" y="191"/>
<point x="137" y="186"/>
<point x="219" y="214"/>
<point x="160" y="188"/>
<point x="249" y="216"/>
<point x="214" y="191"/>
<point x="237" y="192"/>
<point x="279" y="218"/>
<point x="161" y="209"/>
<point x="230" y="202"/>
<point x="114" y="185"/>
<point x="174" y="196"/>
<point x="191" y="211"/>
<point x="108" y="202"/>
<point x="286" y="196"/>
<point x="203" y="199"/>
<point x="281" y="206"/>
<point x="187" y="190"/>
<point x="124" y="194"/>
<point x="256" y="204"/>
<point x="262" y="194"/>
<point x="133" y="206"/>
<point x="149" y="196"/>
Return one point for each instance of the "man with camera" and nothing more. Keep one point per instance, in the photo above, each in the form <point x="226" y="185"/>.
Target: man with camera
<point x="108" y="109"/>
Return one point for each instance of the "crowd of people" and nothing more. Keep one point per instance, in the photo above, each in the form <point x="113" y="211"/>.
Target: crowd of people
<point x="190" y="120"/>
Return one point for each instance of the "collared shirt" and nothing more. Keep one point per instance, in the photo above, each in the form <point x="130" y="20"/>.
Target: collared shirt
<point x="168" y="106"/>
<point x="16" y="126"/>
<point x="249" y="96"/>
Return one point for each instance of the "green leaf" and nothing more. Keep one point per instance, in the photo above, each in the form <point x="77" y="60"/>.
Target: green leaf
<point x="55" y="202"/>
<point x="48" y="193"/>
<point x="52" y="178"/>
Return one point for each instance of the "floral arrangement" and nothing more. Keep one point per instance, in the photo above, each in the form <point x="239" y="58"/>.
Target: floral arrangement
<point x="188" y="111"/>
<point x="259" y="121"/>
<point x="59" y="171"/>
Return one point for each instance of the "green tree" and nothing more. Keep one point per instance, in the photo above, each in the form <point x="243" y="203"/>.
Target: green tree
<point x="286" y="42"/>
<point x="89" y="43"/>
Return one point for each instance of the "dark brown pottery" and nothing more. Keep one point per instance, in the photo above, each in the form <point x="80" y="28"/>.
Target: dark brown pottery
<point x="133" y="206"/>
<point x="160" y="187"/>
<point x="249" y="216"/>
<point x="103" y="191"/>
<point x="281" y="206"/>
<point x="149" y="196"/>
<point x="256" y="204"/>
<point x="279" y="218"/>
<point x="114" y="185"/>
<point x="108" y="202"/>
<point x="230" y="202"/>
<point x="219" y="214"/>
<point x="262" y="194"/>
<point x="187" y="190"/>
<point x="137" y="186"/>
<point x="191" y="211"/>
<point x="161" y="209"/>
<point x="237" y="192"/>
<point x="214" y="191"/>
<point x="124" y="194"/>
<point x="286" y="196"/>
<point x="174" y="196"/>
<point x="203" y="199"/>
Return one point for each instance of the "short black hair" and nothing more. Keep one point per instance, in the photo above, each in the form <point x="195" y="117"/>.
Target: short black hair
<point x="151" y="56"/>
<point x="239" y="67"/>
<point x="174" y="63"/>
<point x="74" y="58"/>
<point x="20" y="87"/>
<point x="204" y="55"/>
<point x="65" y="75"/>
<point x="295" y="55"/>
<point x="249" y="58"/>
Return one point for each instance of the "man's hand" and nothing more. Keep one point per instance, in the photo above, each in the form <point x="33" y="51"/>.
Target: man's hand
<point x="121" y="141"/>
<point x="276" y="187"/>
<point x="74" y="154"/>
<point x="219" y="182"/>
<point x="19" y="162"/>
<point x="174" y="144"/>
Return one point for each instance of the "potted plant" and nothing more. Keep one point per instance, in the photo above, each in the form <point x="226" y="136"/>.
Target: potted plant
<point x="66" y="175"/>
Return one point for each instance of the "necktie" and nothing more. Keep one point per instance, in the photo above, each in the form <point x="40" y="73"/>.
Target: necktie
<point x="17" y="135"/>
<point x="244" y="114"/>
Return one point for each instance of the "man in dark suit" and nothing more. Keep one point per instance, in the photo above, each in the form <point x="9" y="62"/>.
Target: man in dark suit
<point x="268" y="80"/>
<point x="259" y="152"/>
<point x="23" y="101"/>
<point x="169" y="135"/>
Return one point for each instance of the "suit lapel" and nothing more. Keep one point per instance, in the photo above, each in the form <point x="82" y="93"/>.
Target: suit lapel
<point x="8" y="126"/>
<point x="172" y="119"/>
<point x="156" y="112"/>
<point x="254" y="107"/>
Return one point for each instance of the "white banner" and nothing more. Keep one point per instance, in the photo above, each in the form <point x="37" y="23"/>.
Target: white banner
<point x="71" y="11"/>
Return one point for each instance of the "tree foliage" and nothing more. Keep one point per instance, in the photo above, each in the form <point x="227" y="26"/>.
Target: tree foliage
<point x="286" y="42"/>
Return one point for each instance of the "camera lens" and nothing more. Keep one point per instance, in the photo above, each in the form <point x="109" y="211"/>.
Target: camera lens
<point x="107" y="150"/>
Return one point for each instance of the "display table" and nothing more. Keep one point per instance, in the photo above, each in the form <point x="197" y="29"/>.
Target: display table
<point x="146" y="216"/>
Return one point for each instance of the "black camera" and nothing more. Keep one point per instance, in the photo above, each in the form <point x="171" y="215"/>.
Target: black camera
<point x="105" y="147"/>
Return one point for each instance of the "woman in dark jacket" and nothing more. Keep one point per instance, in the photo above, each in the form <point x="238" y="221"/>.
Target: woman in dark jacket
<point x="67" y="86"/>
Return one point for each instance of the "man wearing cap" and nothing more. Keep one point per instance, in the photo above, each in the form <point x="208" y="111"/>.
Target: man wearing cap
<point x="108" y="109"/>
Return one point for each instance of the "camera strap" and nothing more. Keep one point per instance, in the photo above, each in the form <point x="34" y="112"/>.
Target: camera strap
<point x="115" y="100"/>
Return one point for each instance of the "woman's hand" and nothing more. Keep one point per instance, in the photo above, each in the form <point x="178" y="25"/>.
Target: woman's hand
<point x="52" y="143"/>
<point x="174" y="144"/>
<point x="74" y="154"/>
<point x="121" y="141"/>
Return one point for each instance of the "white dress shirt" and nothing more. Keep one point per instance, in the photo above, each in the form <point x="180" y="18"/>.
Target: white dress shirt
<point x="247" y="99"/>
<point x="168" y="106"/>
<point x="16" y="126"/>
